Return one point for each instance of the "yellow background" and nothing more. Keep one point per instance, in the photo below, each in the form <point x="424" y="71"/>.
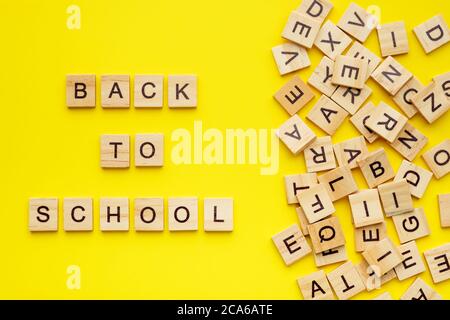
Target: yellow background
<point x="51" y="151"/>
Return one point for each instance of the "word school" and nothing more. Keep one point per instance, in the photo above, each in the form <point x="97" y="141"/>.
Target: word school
<point x="115" y="212"/>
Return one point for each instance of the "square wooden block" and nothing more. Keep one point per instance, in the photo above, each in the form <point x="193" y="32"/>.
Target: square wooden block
<point x="315" y="286"/>
<point x="43" y="214"/>
<point x="376" y="168"/>
<point x="114" y="214"/>
<point x="417" y="177"/>
<point x="403" y="98"/>
<point x="346" y="281"/>
<point x="115" y="91"/>
<point x="366" y="236"/>
<point x="444" y="209"/>
<point x="411" y="225"/>
<point x="419" y="290"/>
<point x="316" y="203"/>
<point x="331" y="40"/>
<point x="327" y="115"/>
<point x="360" y="118"/>
<point x="321" y="77"/>
<point x="443" y="81"/>
<point x="331" y="256"/>
<point x="291" y="244"/>
<point x="349" y="72"/>
<point x="370" y="279"/>
<point x="78" y="214"/>
<point x="431" y="102"/>
<point x="290" y="57"/>
<point x="319" y="155"/>
<point x="339" y="182"/>
<point x="149" y="214"/>
<point x="351" y="99"/>
<point x="366" y="208"/>
<point x="438" y="159"/>
<point x="316" y="9"/>
<point x="326" y="234"/>
<point x="115" y="151"/>
<point x="80" y="90"/>
<point x="382" y="256"/>
<point x="183" y="214"/>
<point x="391" y="75"/>
<point x="433" y="33"/>
<point x="295" y="134"/>
<point x="218" y="214"/>
<point x="412" y="263"/>
<point x="409" y="142"/>
<point x="301" y="29"/>
<point x="393" y="38"/>
<point x="357" y="50"/>
<point x="295" y="184"/>
<point x="148" y="91"/>
<point x="357" y="22"/>
<point x="182" y="91"/>
<point x="348" y="152"/>
<point x="438" y="260"/>
<point x="149" y="150"/>
<point x="294" y="95"/>
<point x="387" y="122"/>
<point x="396" y="197"/>
<point x="302" y="220"/>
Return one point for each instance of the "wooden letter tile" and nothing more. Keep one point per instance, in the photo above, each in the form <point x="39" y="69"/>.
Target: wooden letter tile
<point x="316" y="203"/>
<point x="444" y="209"/>
<point x="316" y="9"/>
<point x="295" y="134"/>
<point x="433" y="33"/>
<point x="327" y="115"/>
<point x="409" y="142"/>
<point x="291" y="244"/>
<point x="438" y="159"/>
<point x="331" y="40"/>
<point x="370" y="279"/>
<point x="393" y="38"/>
<point x="149" y="214"/>
<point x="80" y="90"/>
<point x="77" y="214"/>
<point x="360" y="118"/>
<point x="294" y="95"/>
<point x="376" y="168"/>
<point x="115" y="151"/>
<point x="290" y="57"/>
<point x="348" y="152"/>
<point x="114" y="214"/>
<point x="297" y="183"/>
<point x="321" y="77"/>
<point x="349" y="72"/>
<point x="411" y="225"/>
<point x="148" y="91"/>
<point x="382" y="256"/>
<point x="412" y="263"/>
<point x="319" y="155"/>
<point x="182" y="91"/>
<point x="403" y="98"/>
<point x="366" y="236"/>
<point x="357" y="50"/>
<point x="346" y="281"/>
<point x="149" y="150"/>
<point x="391" y="75"/>
<point x="431" y="102"/>
<point x="303" y="220"/>
<point x="339" y="182"/>
<point x="396" y="197"/>
<point x="366" y="208"/>
<point x="315" y="286"/>
<point x="387" y="122"/>
<point x="115" y="91"/>
<point x="438" y="260"/>
<point x="351" y="99"/>
<point x="357" y="22"/>
<point x="417" y="177"/>
<point x="443" y="81"/>
<point x="331" y="256"/>
<point x="326" y="234"/>
<point x="218" y="214"/>
<point x="43" y="214"/>
<point x="183" y="214"/>
<point x="419" y="290"/>
<point x="301" y="29"/>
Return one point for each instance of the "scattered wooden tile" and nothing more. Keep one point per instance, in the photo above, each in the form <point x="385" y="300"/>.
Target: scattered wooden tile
<point x="316" y="9"/>
<point x="218" y="214"/>
<point x="330" y="256"/>
<point x="438" y="159"/>
<point x="290" y="57"/>
<point x="294" y="95"/>
<point x="349" y="72"/>
<point x="395" y="197"/>
<point x="366" y="236"/>
<point x="351" y="99"/>
<point x="384" y="296"/>
<point x="411" y="225"/>
<point x="393" y="38"/>
<point x="295" y="134"/>
<point x="301" y="29"/>
<point x="403" y="98"/>
<point x="387" y="122"/>
<point x="360" y="118"/>
<point x="327" y="115"/>
<point x="114" y="214"/>
<point x="339" y="182"/>
<point x="326" y="234"/>
<point x="77" y="214"/>
<point x="319" y="155"/>
<point x="43" y="214"/>
<point x="357" y="22"/>
<point x="433" y="33"/>
<point x="331" y="40"/>
<point x="391" y="75"/>
<point x="376" y="168"/>
<point x="149" y="214"/>
<point x="370" y="279"/>
<point x="315" y="286"/>
<point x="303" y="220"/>
<point x="431" y="102"/>
<point x="412" y="263"/>
<point x="419" y="290"/>
<point x="80" y="90"/>
<point x="346" y="281"/>
<point x="417" y="177"/>
<point x="382" y="256"/>
<point x="182" y="91"/>
<point x="348" y="152"/>
<point x="115" y="91"/>
<point x="444" y="209"/>
<point x="443" y="81"/>
<point x="316" y="203"/>
<point x="148" y="91"/>
<point x="115" y="151"/>
<point x="366" y="208"/>
<point x="291" y="244"/>
<point x="149" y="150"/>
<point x="357" y="50"/>
<point x="321" y="77"/>
<point x="409" y="142"/>
<point x="183" y="214"/>
<point x="438" y="260"/>
<point x="295" y="184"/>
